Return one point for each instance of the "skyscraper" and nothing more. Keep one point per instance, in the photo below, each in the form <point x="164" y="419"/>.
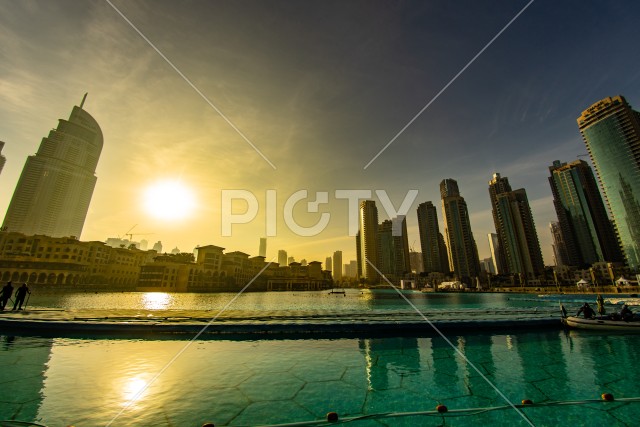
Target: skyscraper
<point x="393" y="248"/>
<point x="611" y="132"/>
<point x="498" y="185"/>
<point x="55" y="188"/>
<point x="282" y="258"/>
<point x="494" y="244"/>
<point x="337" y="262"/>
<point x="434" y="254"/>
<point x="521" y="245"/>
<point x="461" y="246"/>
<point x="328" y="264"/>
<point x="587" y="233"/>
<point x="3" y="159"/>
<point x="560" y="253"/>
<point x="368" y="243"/>
<point x="263" y="247"/>
<point x="517" y="236"/>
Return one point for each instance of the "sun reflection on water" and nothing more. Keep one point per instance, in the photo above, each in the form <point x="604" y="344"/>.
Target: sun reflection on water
<point x="131" y="389"/>
<point x="156" y="300"/>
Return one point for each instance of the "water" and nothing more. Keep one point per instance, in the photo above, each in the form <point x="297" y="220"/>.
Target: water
<point x="353" y="300"/>
<point x="91" y="382"/>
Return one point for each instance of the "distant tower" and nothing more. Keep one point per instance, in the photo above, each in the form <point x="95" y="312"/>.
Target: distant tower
<point x="144" y="244"/>
<point x="328" y="264"/>
<point x="522" y="247"/>
<point x="54" y="191"/>
<point x="585" y="228"/>
<point x="282" y="258"/>
<point x="263" y="247"/>
<point x="611" y="132"/>
<point x="517" y="236"/>
<point x="368" y="245"/>
<point x="3" y="159"/>
<point x="393" y="251"/>
<point x="303" y="262"/>
<point x="463" y="252"/>
<point x="498" y="185"/>
<point x="175" y="251"/>
<point x="290" y="260"/>
<point x="434" y="258"/>
<point x="158" y="247"/>
<point x="337" y="261"/>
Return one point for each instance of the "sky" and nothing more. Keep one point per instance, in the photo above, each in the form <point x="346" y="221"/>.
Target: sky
<point x="319" y="88"/>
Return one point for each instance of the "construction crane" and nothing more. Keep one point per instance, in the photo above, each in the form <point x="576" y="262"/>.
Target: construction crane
<point x="128" y="231"/>
<point x="130" y="234"/>
<point x="136" y="234"/>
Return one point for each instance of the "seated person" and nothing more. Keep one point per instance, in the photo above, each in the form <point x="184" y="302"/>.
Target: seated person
<point x="587" y="311"/>
<point x="626" y="313"/>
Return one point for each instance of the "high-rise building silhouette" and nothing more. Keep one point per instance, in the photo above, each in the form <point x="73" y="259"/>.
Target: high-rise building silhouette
<point x="434" y="251"/>
<point x="262" y="251"/>
<point x="393" y="248"/>
<point x="328" y="264"/>
<point x="337" y="262"/>
<point x="611" y="132"/>
<point x="282" y="258"/>
<point x="358" y="256"/>
<point x="516" y="230"/>
<point x="499" y="185"/>
<point x="521" y="246"/>
<point x="461" y="246"/>
<point x="587" y="232"/>
<point x="55" y="188"/>
<point x="560" y="252"/>
<point x="3" y="159"/>
<point x="368" y="243"/>
<point x="158" y="247"/>
<point x="494" y="244"/>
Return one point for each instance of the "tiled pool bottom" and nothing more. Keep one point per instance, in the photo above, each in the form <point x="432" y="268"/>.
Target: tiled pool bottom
<point x="63" y="381"/>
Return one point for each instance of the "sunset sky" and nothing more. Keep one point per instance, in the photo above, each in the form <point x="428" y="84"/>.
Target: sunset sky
<point x="319" y="87"/>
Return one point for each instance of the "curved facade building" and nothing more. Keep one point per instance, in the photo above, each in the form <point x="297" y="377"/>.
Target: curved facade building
<point x="611" y="131"/>
<point x="55" y="188"/>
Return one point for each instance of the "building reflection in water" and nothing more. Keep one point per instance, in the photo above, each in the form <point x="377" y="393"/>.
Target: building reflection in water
<point x="389" y="359"/>
<point x="24" y="366"/>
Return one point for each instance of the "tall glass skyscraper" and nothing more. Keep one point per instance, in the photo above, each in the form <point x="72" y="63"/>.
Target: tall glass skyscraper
<point x="611" y="131"/>
<point x="587" y="233"/>
<point x="55" y="188"/>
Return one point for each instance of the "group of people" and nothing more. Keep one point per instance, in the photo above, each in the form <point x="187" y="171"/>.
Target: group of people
<point x="625" y="312"/>
<point x="7" y="291"/>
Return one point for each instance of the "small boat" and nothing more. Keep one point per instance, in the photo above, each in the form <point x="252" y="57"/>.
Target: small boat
<point x="342" y="292"/>
<point x="602" y="323"/>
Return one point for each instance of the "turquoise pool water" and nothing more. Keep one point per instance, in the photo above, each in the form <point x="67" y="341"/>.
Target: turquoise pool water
<point x="58" y="382"/>
<point x="95" y="382"/>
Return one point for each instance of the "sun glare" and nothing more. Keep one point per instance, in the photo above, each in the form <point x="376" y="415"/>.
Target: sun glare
<point x="169" y="200"/>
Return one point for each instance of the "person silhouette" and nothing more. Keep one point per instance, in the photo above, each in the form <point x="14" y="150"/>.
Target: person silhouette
<point x="587" y="311"/>
<point x="6" y="293"/>
<point x="20" y="294"/>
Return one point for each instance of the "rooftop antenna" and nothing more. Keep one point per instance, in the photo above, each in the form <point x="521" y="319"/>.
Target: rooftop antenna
<point x="83" y="99"/>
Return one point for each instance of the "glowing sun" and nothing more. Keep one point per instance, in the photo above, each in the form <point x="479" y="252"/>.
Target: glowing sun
<point x="169" y="200"/>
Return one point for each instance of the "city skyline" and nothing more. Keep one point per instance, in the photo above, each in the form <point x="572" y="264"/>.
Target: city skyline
<point x="319" y="97"/>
